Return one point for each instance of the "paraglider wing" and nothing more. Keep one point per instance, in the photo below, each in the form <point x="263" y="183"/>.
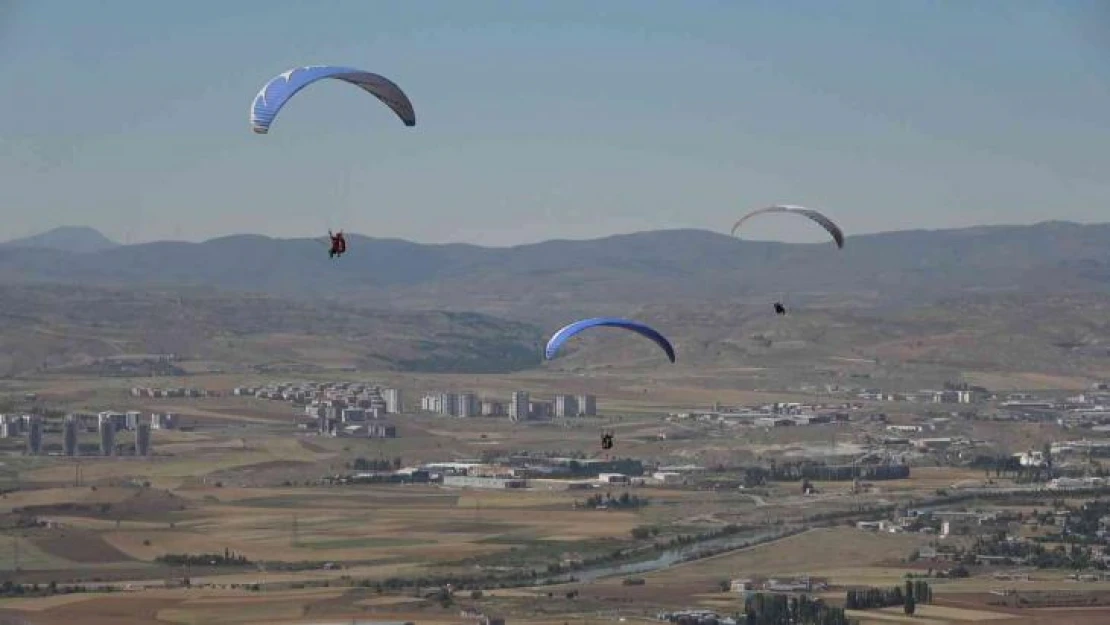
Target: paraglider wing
<point x="825" y="222"/>
<point x="284" y="86"/>
<point x="565" y="333"/>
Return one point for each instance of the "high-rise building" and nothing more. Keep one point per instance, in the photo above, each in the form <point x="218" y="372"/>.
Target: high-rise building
<point x="566" y="406"/>
<point x="449" y="404"/>
<point x="466" y="405"/>
<point x="69" y="435"/>
<point x="107" y="437"/>
<point x="393" y="403"/>
<point x="587" y="406"/>
<point x="142" y="439"/>
<point x="519" y="406"/>
<point x="34" y="435"/>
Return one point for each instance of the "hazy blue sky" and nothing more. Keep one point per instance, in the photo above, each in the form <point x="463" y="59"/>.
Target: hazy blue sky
<point x="555" y="119"/>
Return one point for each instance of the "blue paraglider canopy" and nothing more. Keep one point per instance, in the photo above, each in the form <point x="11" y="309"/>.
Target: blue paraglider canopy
<point x="644" y="330"/>
<point x="285" y="85"/>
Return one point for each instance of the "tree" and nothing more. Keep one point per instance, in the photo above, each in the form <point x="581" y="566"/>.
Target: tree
<point x="910" y="606"/>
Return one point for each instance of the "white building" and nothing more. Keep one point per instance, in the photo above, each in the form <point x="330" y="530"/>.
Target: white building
<point x="393" y="403"/>
<point x="587" y="405"/>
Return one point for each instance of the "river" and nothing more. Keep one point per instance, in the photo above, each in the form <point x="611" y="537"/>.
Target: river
<point x="669" y="557"/>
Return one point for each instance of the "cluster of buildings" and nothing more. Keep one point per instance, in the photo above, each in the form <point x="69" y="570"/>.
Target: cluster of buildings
<point x="369" y="397"/>
<point x="781" y="414"/>
<point x="802" y="584"/>
<point x="520" y="407"/>
<point x="336" y="408"/>
<point x="105" y="424"/>
<point x="926" y="396"/>
<point x="147" y="391"/>
<point x="520" y="472"/>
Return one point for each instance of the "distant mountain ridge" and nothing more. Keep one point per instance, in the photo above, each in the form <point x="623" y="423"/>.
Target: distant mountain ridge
<point x="79" y="239"/>
<point x="607" y="275"/>
<point x="1003" y="304"/>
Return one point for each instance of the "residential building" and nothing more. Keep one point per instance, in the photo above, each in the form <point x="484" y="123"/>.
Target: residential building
<point x="566" y="406"/>
<point x="393" y="403"/>
<point x="519" y="406"/>
<point x="466" y="405"/>
<point x="587" y="405"/>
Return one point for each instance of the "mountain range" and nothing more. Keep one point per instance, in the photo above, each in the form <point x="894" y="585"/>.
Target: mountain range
<point x="992" y="298"/>
<point x="560" y="278"/>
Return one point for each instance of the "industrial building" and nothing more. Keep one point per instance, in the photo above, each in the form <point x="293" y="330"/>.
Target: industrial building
<point x="483" y="482"/>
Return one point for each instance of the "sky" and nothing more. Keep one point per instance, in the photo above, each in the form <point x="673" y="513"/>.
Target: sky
<point x="553" y="119"/>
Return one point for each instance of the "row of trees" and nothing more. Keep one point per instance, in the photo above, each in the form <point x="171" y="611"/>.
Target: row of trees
<point x="625" y="501"/>
<point x="775" y="609"/>
<point x="913" y="593"/>
<point x="379" y="464"/>
<point x="227" y="558"/>
<point x="808" y="470"/>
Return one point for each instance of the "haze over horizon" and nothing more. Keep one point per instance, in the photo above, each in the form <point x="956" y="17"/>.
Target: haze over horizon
<point x="541" y="121"/>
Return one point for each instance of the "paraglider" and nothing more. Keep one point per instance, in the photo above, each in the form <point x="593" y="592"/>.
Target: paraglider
<point x="338" y="244"/>
<point x="275" y="93"/>
<point x="824" y="221"/>
<point x="607" y="441"/>
<point x="568" y="331"/>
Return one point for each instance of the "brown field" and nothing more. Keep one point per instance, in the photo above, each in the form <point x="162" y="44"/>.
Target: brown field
<point x="245" y="477"/>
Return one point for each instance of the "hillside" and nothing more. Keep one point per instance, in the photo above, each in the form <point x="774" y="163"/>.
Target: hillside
<point x="998" y="340"/>
<point x="556" y="280"/>
<point x="60" y="328"/>
<point x="1006" y="304"/>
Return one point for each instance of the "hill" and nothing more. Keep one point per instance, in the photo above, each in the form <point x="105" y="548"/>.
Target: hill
<point x="78" y="239"/>
<point x="1016" y="305"/>
<point x="556" y="280"/>
<point x="69" y="328"/>
<point x="1000" y="341"/>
